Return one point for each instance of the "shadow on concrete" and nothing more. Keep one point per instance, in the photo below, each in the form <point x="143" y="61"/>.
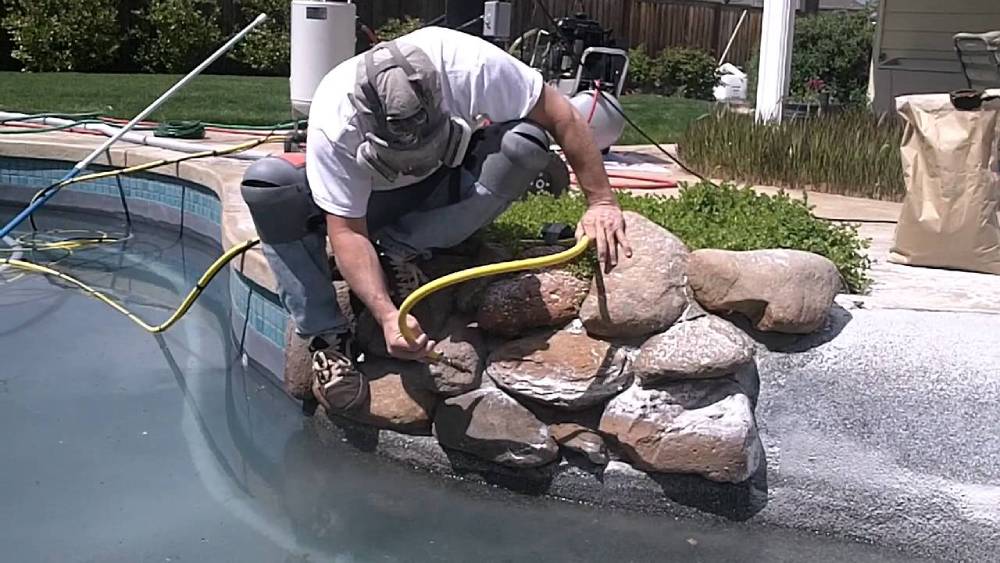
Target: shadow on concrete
<point x="795" y="343"/>
<point x="735" y="501"/>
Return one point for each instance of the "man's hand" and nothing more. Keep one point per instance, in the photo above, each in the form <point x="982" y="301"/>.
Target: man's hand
<point x="604" y="224"/>
<point x="398" y="346"/>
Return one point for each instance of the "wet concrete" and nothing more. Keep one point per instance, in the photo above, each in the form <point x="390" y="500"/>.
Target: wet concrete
<point x="119" y="446"/>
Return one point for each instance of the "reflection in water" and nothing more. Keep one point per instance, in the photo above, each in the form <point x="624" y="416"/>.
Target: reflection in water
<point x="130" y="447"/>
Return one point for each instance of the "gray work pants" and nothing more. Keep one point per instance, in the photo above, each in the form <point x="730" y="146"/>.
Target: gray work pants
<point x="415" y="220"/>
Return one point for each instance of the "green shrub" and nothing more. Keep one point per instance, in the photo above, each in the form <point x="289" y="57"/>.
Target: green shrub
<point x="176" y="35"/>
<point x="851" y="153"/>
<point x="396" y="27"/>
<point x="643" y="70"/>
<point x="689" y="73"/>
<point x="706" y="216"/>
<point x="266" y="49"/>
<point x="63" y="35"/>
<point x="836" y="49"/>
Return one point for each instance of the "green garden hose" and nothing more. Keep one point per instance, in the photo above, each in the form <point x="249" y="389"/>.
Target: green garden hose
<point x="180" y="129"/>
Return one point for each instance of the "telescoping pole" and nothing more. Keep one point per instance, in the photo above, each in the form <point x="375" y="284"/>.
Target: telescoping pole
<point x="83" y="164"/>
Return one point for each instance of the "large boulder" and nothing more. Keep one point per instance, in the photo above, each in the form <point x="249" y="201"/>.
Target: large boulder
<point x="705" y="347"/>
<point x="469" y="295"/>
<point x="644" y="294"/>
<point x="491" y="425"/>
<point x="398" y="399"/>
<point x="566" y="369"/>
<point x="779" y="290"/>
<point x="512" y="306"/>
<point x="463" y="346"/>
<point x="701" y="427"/>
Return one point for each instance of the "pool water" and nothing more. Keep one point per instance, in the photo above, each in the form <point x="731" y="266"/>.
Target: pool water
<point x="121" y="446"/>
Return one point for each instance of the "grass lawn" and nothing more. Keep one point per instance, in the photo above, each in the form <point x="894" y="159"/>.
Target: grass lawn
<point x="251" y="100"/>
<point x="663" y="118"/>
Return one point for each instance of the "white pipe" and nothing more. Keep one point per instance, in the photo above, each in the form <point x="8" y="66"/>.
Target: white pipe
<point x="732" y="38"/>
<point x="169" y="93"/>
<point x="775" y="59"/>
<point x="136" y="138"/>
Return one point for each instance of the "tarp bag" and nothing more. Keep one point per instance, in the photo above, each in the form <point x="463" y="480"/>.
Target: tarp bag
<point x="950" y="165"/>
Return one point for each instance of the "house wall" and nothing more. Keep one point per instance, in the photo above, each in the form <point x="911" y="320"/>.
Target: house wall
<point x="914" y="50"/>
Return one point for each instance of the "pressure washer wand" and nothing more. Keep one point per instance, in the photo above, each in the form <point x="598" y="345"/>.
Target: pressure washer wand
<point x="83" y="164"/>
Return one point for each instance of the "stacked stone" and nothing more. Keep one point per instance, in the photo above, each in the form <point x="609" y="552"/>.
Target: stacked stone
<point x="640" y="366"/>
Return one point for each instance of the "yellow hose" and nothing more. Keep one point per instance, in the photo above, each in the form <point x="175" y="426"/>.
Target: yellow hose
<point x="185" y="305"/>
<point x="434" y="286"/>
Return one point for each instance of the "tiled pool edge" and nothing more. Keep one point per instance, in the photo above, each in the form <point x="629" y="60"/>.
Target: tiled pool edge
<point x="174" y="201"/>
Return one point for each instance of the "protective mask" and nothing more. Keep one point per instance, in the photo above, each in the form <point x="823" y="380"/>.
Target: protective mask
<point x="398" y="98"/>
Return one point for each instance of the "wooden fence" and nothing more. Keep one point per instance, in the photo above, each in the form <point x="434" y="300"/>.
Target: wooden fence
<point x="653" y="23"/>
<point x="658" y="23"/>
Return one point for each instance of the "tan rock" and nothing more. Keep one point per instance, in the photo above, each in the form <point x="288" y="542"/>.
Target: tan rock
<point x="703" y="427"/>
<point x="298" y="365"/>
<point x="567" y="369"/>
<point x="644" y="294"/>
<point x="705" y="347"/>
<point x="779" y="290"/>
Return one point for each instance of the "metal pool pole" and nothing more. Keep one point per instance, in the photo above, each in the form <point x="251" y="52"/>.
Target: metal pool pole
<point x="82" y="165"/>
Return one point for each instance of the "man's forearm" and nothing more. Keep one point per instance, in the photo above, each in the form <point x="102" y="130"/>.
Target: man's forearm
<point x="574" y="136"/>
<point x="358" y="263"/>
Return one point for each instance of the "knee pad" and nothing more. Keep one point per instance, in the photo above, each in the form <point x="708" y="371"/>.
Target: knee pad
<point x="281" y="204"/>
<point x="523" y="153"/>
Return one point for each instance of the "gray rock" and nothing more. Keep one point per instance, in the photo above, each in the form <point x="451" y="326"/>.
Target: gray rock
<point x="704" y="347"/>
<point x="566" y="369"/>
<point x="512" y="306"/>
<point x="643" y="294"/>
<point x="778" y="290"/>
<point x="702" y="427"/>
<point x="463" y="346"/>
<point x="582" y="440"/>
<point x="489" y="424"/>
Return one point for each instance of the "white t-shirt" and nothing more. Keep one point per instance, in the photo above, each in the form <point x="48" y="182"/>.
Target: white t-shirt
<point x="477" y="77"/>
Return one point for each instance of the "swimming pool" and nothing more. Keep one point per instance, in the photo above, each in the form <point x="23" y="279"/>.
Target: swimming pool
<point x="122" y="446"/>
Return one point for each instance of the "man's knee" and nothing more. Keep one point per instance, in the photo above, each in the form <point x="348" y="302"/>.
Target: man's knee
<point x="523" y="153"/>
<point x="527" y="146"/>
<point x="280" y="202"/>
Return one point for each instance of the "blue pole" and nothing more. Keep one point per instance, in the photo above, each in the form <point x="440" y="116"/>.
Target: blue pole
<point x="80" y="166"/>
<point x="27" y="211"/>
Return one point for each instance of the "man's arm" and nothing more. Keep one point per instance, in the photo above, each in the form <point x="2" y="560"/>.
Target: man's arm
<point x="359" y="264"/>
<point x="603" y="221"/>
